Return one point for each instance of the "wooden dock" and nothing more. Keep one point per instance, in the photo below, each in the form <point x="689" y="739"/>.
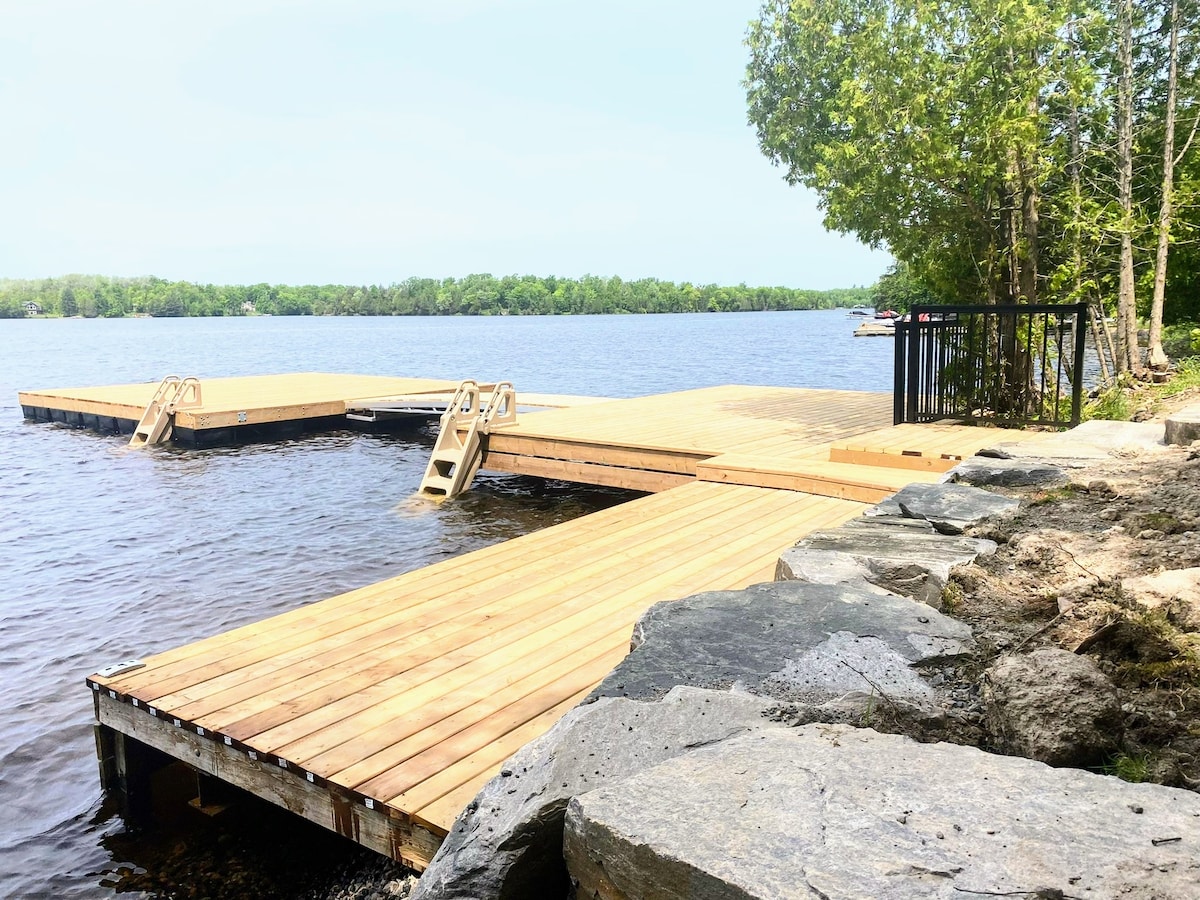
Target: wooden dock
<point x="381" y="712"/>
<point x="251" y="408"/>
<point x="658" y="442"/>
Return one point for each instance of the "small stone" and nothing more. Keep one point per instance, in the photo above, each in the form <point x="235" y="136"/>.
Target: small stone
<point x="1150" y="534"/>
<point x="1053" y="706"/>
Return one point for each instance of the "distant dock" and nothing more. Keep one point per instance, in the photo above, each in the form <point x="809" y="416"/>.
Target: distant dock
<point x="259" y="407"/>
<point x="380" y="713"/>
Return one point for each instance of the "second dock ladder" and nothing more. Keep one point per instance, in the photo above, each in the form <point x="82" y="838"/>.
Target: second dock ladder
<point x="458" y="451"/>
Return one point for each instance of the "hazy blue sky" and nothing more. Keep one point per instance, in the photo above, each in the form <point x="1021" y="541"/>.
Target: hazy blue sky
<point x="359" y="141"/>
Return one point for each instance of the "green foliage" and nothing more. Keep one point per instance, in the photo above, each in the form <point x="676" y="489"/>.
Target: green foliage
<point x="1134" y="769"/>
<point x="1112" y="403"/>
<point x="482" y="294"/>
<point x="900" y="289"/>
<point x="975" y="139"/>
<point x="1185" y="378"/>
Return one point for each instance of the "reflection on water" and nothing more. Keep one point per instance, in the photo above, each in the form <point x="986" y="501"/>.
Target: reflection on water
<point x="109" y="554"/>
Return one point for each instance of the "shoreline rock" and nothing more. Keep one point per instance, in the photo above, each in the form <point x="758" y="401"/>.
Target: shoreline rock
<point x="838" y="812"/>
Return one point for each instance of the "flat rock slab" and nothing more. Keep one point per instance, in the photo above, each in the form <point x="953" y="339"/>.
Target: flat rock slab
<point x="1089" y="441"/>
<point x="950" y="508"/>
<point x="792" y="641"/>
<point x="1183" y="427"/>
<point x="1025" y="472"/>
<point x="837" y="812"/>
<point x="905" y="556"/>
<point x="507" y="843"/>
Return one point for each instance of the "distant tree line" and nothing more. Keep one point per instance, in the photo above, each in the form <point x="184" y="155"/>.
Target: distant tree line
<point x="95" y="296"/>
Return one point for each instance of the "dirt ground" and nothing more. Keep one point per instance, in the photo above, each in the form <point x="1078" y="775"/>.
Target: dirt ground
<point x="1069" y="573"/>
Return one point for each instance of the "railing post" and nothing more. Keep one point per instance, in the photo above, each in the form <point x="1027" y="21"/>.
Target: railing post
<point x="913" y="354"/>
<point x="1081" y="313"/>
<point x="898" y="372"/>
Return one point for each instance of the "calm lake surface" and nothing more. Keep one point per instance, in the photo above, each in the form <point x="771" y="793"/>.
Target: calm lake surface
<point x="108" y="554"/>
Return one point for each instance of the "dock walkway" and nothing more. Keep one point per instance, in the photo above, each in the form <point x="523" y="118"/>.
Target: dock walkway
<point x="405" y="696"/>
<point x="379" y="713"/>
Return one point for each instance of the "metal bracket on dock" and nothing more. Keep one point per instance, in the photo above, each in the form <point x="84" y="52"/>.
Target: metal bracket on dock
<point x="458" y="452"/>
<point x="158" y="420"/>
<point x="120" y="668"/>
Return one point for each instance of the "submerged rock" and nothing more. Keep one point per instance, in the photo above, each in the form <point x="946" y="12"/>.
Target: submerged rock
<point x="1053" y="706"/>
<point x="838" y="812"/>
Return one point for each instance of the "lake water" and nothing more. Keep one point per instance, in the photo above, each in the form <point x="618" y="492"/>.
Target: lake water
<point x="108" y="553"/>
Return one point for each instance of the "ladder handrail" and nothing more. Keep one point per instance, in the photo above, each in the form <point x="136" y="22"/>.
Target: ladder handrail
<point x="458" y="451"/>
<point x="158" y="418"/>
<point x="502" y="407"/>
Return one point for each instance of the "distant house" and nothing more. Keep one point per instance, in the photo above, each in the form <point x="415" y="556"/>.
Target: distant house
<point x="32" y="309"/>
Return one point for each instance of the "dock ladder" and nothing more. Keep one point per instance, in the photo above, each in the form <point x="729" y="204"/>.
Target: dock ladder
<point x="158" y="420"/>
<point x="458" y="451"/>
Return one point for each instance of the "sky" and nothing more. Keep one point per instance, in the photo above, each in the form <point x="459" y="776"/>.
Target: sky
<point x="367" y="141"/>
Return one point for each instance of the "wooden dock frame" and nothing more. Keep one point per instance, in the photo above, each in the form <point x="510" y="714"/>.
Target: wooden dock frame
<point x="131" y="746"/>
<point x="379" y="713"/>
<point x="235" y="410"/>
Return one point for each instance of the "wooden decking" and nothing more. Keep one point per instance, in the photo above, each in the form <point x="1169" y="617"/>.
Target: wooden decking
<point x="923" y="448"/>
<point x="380" y="713"/>
<point x="655" y="443"/>
<point x="227" y="402"/>
<point x="402" y="698"/>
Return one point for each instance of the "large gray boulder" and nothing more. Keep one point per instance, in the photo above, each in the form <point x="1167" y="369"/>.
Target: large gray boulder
<point x="507" y="844"/>
<point x="949" y="508"/>
<point x="1183" y="426"/>
<point x="796" y="642"/>
<point x="1052" y="706"/>
<point x="829" y="811"/>
<point x="903" y="555"/>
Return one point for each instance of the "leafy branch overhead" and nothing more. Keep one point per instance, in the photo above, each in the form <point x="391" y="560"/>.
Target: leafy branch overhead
<point x="1005" y="151"/>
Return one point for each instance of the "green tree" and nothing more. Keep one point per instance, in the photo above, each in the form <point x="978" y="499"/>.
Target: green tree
<point x="67" y="303"/>
<point x="900" y="290"/>
<point x="921" y="126"/>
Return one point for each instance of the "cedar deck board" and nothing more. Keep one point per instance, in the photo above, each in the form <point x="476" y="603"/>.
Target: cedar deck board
<point x="683" y="535"/>
<point x="407" y="694"/>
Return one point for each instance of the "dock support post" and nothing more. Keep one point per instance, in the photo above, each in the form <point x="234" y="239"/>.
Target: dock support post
<point x="126" y="766"/>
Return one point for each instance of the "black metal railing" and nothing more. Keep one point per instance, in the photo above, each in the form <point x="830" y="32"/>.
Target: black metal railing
<point x="1004" y="365"/>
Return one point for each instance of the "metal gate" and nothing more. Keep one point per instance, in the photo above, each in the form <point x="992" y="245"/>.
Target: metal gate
<point x="1003" y="365"/>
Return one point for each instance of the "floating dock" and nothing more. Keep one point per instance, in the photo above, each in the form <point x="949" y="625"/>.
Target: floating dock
<point x="260" y="407"/>
<point x="381" y="712"/>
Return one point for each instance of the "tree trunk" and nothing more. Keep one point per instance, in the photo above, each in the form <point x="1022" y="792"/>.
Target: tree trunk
<point x="1128" y="359"/>
<point x="1158" y="358"/>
